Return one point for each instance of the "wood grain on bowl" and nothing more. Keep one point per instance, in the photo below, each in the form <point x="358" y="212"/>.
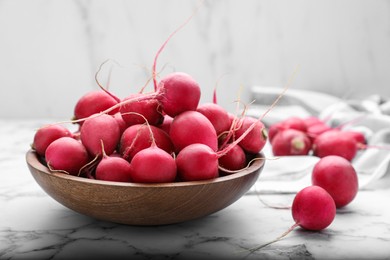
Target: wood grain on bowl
<point x="143" y="204"/>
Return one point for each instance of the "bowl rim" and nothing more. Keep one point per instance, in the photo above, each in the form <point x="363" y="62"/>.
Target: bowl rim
<point x="33" y="161"/>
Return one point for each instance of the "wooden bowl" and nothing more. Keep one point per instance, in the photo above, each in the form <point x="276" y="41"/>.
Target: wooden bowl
<point x="143" y="204"/>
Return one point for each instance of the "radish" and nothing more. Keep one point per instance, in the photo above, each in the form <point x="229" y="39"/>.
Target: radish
<point x="179" y="92"/>
<point x="66" y="155"/>
<point x="197" y="162"/>
<point x="295" y="123"/>
<point x="94" y="102"/>
<point x="338" y="177"/>
<point x="150" y="109"/>
<point x="313" y="209"/>
<point x="255" y="140"/>
<point x="192" y="127"/>
<point x="217" y="115"/>
<point x="45" y="135"/>
<point x="317" y="129"/>
<point x="137" y="137"/>
<point x="233" y="160"/>
<point x="103" y="128"/>
<point x="358" y="136"/>
<point x="152" y="164"/>
<point x="335" y="142"/>
<point x="113" y="168"/>
<point x="291" y="142"/>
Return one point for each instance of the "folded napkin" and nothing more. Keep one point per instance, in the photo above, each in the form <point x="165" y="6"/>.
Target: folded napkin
<point x="289" y="174"/>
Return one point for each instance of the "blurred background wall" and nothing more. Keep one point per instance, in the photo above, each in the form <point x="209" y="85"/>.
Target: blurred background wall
<point x="50" y="50"/>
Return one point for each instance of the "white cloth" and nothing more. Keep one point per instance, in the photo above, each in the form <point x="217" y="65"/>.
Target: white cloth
<point x="288" y="174"/>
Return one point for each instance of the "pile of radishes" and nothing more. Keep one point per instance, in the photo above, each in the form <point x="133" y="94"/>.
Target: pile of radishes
<point x="334" y="184"/>
<point x="334" y="180"/>
<point x="162" y="136"/>
<point x="304" y="136"/>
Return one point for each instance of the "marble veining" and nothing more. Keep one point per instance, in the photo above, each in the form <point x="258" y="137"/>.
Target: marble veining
<point x="34" y="226"/>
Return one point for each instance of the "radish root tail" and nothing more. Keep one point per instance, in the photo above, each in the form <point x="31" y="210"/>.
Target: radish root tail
<point x="252" y="250"/>
<point x="100" y="85"/>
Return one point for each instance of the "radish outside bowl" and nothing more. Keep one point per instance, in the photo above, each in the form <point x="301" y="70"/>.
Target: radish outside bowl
<point x="144" y="204"/>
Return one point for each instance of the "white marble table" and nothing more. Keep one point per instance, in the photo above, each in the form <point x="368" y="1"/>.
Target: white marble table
<point x="33" y="225"/>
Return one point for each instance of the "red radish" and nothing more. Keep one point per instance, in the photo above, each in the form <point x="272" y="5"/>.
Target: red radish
<point x="153" y="165"/>
<point x="274" y="129"/>
<point x="255" y="140"/>
<point x="179" y="93"/>
<point x="317" y="129"/>
<point x="197" y="162"/>
<point x="113" y="168"/>
<point x="45" y="135"/>
<point x="312" y="209"/>
<point x="358" y="136"/>
<point x="94" y="102"/>
<point x="338" y="177"/>
<point x="295" y="123"/>
<point x="102" y="128"/>
<point x="150" y="109"/>
<point x="192" y="127"/>
<point x="291" y="142"/>
<point x="66" y="155"/>
<point x="334" y="142"/>
<point x="233" y="160"/>
<point x="166" y="124"/>
<point x="137" y="137"/>
<point x="217" y="115"/>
